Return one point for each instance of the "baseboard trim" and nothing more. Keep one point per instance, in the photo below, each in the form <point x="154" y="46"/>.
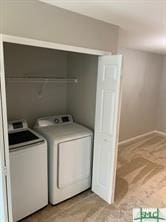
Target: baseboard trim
<point x="138" y="137"/>
<point x="160" y="132"/>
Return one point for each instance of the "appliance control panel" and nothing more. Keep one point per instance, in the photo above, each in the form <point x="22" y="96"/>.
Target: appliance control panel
<point x="54" y="120"/>
<point x="63" y="119"/>
<point x="17" y="125"/>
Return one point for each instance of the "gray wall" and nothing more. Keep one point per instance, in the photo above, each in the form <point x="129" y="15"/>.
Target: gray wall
<point x="142" y="100"/>
<point x="25" y="60"/>
<point x="141" y="79"/>
<point x="82" y="96"/>
<point x="161" y="120"/>
<point x="24" y="100"/>
<point x="35" y="19"/>
<point x="38" y="20"/>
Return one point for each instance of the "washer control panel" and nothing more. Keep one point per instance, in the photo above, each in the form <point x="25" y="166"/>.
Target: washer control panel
<point x="17" y="125"/>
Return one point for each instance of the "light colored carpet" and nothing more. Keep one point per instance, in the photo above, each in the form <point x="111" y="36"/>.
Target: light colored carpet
<point x="141" y="182"/>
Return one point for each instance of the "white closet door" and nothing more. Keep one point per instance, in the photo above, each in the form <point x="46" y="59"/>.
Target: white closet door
<point x="5" y="192"/>
<point x="3" y="202"/>
<point x="106" y="126"/>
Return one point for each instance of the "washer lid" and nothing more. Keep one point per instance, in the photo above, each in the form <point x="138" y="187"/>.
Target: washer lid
<point x="24" y="137"/>
<point x="65" y="132"/>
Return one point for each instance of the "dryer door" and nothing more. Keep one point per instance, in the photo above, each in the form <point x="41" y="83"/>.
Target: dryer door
<point x="74" y="161"/>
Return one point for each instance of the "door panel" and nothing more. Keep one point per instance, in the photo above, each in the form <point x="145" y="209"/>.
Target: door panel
<point x="106" y="126"/>
<point x="74" y="161"/>
<point x="107" y="107"/>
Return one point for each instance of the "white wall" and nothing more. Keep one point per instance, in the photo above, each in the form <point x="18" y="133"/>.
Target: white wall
<point x="35" y="19"/>
<point x="82" y="96"/>
<point x="141" y="79"/>
<point x="24" y="99"/>
<point x="161" y="118"/>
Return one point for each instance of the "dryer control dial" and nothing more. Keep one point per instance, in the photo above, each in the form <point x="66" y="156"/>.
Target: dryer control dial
<point x="56" y="120"/>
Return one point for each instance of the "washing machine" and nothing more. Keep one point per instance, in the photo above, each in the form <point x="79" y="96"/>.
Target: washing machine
<point x="69" y="156"/>
<point x="28" y="169"/>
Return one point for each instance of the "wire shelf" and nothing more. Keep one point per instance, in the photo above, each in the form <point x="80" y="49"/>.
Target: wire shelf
<point x="41" y="80"/>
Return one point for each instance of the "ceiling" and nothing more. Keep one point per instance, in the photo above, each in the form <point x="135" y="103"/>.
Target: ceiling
<point x="142" y="22"/>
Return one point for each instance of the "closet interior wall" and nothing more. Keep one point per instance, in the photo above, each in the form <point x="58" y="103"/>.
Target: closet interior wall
<point x="81" y="97"/>
<point x="31" y="100"/>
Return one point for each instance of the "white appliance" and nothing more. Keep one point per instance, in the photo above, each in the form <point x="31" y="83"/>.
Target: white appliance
<point x="70" y="156"/>
<point x="28" y="168"/>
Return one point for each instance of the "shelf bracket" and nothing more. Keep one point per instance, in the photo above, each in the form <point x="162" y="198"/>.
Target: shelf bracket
<point x="44" y="83"/>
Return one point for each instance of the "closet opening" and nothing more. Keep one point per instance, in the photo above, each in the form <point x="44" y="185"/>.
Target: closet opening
<point x="46" y="89"/>
<point x="61" y="124"/>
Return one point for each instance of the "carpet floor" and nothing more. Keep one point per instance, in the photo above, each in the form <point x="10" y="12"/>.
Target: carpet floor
<point x="141" y="182"/>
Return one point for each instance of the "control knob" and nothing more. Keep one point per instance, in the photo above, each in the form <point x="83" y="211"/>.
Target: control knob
<point x="56" y="120"/>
